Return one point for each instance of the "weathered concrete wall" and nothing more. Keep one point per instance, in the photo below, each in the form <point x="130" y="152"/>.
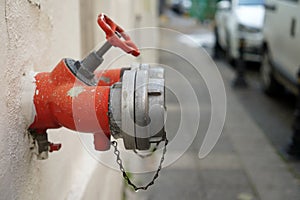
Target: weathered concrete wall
<point x="19" y="24"/>
<point x="36" y="38"/>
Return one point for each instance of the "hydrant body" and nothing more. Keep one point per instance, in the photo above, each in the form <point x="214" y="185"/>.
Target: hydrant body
<point x="62" y="100"/>
<point x="123" y="103"/>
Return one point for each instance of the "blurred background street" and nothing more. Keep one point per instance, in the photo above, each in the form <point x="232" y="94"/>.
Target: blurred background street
<point x="249" y="161"/>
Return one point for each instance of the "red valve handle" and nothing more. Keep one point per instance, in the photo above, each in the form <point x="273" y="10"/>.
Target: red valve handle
<point x="113" y="33"/>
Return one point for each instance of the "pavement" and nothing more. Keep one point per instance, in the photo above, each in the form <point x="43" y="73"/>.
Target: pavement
<point x="243" y="165"/>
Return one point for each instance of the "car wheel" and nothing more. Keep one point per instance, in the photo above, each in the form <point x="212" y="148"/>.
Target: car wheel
<point x="269" y="84"/>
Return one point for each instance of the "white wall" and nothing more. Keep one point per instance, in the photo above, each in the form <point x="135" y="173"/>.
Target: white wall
<point x="36" y="39"/>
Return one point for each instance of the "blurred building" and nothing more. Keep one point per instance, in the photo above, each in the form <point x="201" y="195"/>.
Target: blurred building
<point x="203" y="9"/>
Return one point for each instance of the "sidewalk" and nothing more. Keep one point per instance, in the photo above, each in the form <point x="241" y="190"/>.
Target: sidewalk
<point x="268" y="173"/>
<point x="243" y="165"/>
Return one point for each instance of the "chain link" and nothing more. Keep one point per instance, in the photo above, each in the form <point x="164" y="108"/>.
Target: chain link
<point x="126" y="177"/>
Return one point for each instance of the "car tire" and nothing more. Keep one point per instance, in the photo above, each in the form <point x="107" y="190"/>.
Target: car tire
<point x="269" y="84"/>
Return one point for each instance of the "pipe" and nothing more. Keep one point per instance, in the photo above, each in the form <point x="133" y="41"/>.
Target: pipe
<point x="62" y="100"/>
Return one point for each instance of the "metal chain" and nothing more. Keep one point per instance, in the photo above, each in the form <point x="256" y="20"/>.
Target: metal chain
<point x="126" y="177"/>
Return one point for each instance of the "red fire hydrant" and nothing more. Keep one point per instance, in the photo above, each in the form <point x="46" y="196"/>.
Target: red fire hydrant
<point x="102" y="103"/>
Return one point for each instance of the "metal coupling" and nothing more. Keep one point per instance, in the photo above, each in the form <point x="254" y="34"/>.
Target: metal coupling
<point x="137" y="107"/>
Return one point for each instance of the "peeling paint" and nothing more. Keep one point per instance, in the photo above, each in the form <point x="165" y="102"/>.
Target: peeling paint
<point x="75" y="91"/>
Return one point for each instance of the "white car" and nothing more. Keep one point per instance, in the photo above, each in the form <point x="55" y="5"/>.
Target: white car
<point x="281" y="46"/>
<point x="239" y="23"/>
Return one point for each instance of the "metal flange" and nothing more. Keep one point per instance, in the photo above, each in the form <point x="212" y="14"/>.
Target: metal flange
<point x="137" y="107"/>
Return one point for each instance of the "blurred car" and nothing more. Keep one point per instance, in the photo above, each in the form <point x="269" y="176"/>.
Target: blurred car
<point x="240" y="22"/>
<point x="281" y="60"/>
<point x="181" y="7"/>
